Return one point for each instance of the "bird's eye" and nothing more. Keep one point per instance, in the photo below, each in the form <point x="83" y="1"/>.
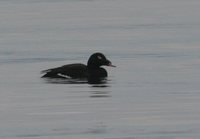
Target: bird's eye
<point x="99" y="57"/>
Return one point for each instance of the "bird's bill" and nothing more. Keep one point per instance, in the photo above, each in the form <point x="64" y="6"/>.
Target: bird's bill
<point x="111" y="65"/>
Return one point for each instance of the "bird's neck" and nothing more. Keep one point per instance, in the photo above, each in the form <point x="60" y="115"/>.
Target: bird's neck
<point x="92" y="67"/>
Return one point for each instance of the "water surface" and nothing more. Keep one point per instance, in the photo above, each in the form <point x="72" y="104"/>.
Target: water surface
<point x="153" y="93"/>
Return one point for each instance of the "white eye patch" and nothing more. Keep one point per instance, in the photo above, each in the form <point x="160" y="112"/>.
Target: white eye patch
<point x="99" y="57"/>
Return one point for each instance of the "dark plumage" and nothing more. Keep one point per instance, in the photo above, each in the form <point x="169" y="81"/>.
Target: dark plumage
<point x="93" y="69"/>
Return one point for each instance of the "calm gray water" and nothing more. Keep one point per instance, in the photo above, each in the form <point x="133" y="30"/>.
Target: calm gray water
<point x="154" y="92"/>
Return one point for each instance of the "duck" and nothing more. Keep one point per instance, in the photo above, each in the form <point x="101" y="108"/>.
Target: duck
<point x="92" y="70"/>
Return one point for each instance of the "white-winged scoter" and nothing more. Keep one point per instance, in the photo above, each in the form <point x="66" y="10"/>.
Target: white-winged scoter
<point x="93" y="69"/>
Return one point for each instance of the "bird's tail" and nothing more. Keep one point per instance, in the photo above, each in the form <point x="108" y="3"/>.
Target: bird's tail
<point x="46" y="71"/>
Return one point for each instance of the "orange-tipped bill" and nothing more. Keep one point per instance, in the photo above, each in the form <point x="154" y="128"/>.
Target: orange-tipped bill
<point x="110" y="65"/>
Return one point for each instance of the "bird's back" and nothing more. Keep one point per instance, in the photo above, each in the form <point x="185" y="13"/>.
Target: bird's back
<point x="72" y="70"/>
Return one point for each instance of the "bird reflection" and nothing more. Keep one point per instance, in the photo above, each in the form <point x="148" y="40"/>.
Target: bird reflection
<point x="97" y="81"/>
<point x="98" y="86"/>
<point x="100" y="94"/>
